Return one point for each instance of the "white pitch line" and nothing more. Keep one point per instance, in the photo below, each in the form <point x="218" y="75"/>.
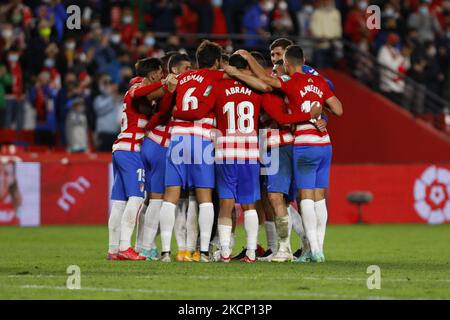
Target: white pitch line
<point x="253" y="277"/>
<point x="233" y="293"/>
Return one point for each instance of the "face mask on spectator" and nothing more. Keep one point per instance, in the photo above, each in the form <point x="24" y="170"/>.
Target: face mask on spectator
<point x="127" y="19"/>
<point x="389" y="13"/>
<point x="309" y="9"/>
<point x="268" y="6"/>
<point x="362" y="5"/>
<point x="149" y="41"/>
<point x="105" y="88"/>
<point x="7" y="33"/>
<point x="217" y="3"/>
<point x="13" y="57"/>
<point x="115" y="38"/>
<point x="282" y="5"/>
<point x="423" y="10"/>
<point x="70" y="45"/>
<point x="49" y="63"/>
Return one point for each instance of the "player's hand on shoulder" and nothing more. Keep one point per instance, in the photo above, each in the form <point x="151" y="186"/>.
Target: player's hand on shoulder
<point x="244" y="53"/>
<point x="231" y="71"/>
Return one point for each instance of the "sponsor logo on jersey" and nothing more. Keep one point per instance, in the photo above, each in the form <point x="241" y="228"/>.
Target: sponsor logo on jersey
<point x="207" y="91"/>
<point x="285" y="78"/>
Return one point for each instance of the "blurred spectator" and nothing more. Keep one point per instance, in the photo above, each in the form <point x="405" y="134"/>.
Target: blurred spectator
<point x="42" y="97"/>
<point x="282" y="24"/>
<point x="128" y="27"/>
<point x="15" y="96"/>
<point x="59" y="16"/>
<point x="5" y="81"/>
<point x="389" y="25"/>
<point x="393" y="62"/>
<point x="107" y="108"/>
<point x="355" y="22"/>
<point x="424" y="22"/>
<point x="77" y="128"/>
<point x="256" y="22"/>
<point x="164" y="13"/>
<point x="304" y="19"/>
<point x="326" y="30"/>
<point x="205" y="15"/>
<point x="220" y="25"/>
<point x="433" y="75"/>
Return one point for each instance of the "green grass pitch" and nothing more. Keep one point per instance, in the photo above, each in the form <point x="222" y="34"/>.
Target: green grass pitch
<point x="414" y="262"/>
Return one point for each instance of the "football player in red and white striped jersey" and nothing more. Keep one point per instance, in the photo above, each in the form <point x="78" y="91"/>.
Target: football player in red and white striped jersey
<point x="128" y="189"/>
<point x="312" y="147"/>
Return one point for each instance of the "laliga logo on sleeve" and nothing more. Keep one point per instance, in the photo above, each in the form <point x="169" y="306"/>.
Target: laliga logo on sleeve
<point x="432" y="195"/>
<point x="66" y="200"/>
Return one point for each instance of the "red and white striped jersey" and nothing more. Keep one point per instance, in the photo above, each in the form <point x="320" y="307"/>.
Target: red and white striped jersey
<point x="303" y="92"/>
<point x="237" y="112"/>
<point x="133" y="124"/>
<point x="277" y="135"/>
<point x="192" y="99"/>
<point x="158" y="129"/>
<point x="160" y="134"/>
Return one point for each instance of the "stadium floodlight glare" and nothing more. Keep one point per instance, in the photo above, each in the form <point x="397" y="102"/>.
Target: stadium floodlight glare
<point x="359" y="198"/>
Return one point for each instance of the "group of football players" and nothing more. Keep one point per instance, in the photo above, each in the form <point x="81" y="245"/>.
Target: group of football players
<point x="194" y="143"/>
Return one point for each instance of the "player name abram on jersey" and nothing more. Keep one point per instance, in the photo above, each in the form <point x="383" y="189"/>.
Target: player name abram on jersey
<point x="235" y="90"/>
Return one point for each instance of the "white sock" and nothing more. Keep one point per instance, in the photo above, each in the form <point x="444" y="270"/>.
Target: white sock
<point x="271" y="233"/>
<point x="282" y="225"/>
<point x="129" y="221"/>
<point x="322" y="216"/>
<point x="180" y="224"/>
<point x="206" y="222"/>
<point x="115" y="217"/>
<point x="224" y="232"/>
<point x="192" y="224"/>
<point x="151" y="224"/>
<point x="310" y="223"/>
<point x="251" y="226"/>
<point x="297" y="225"/>
<point x="166" y="222"/>
<point x="140" y="228"/>
<point x="296" y="219"/>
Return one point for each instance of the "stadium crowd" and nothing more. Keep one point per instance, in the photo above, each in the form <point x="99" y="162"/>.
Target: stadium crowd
<point x="66" y="83"/>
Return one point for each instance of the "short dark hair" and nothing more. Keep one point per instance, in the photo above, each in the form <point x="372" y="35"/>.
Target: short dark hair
<point x="259" y="58"/>
<point x="278" y="62"/>
<point x="207" y="54"/>
<point x="145" y="66"/>
<point x="176" y="59"/>
<point x="294" y="54"/>
<point x="281" y="42"/>
<point x="238" y="61"/>
<point x="225" y="57"/>
<point x="165" y="59"/>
